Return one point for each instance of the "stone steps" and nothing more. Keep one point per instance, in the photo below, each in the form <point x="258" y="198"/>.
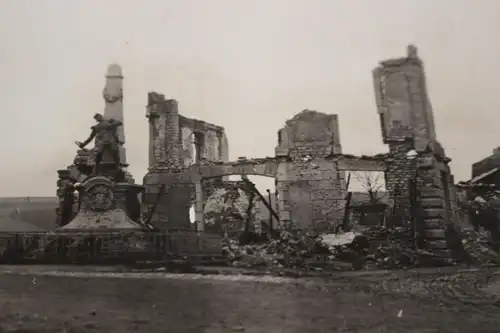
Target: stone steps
<point x="436" y="244"/>
<point x="432" y="202"/>
<point x="434" y="234"/>
<point x="433" y="224"/>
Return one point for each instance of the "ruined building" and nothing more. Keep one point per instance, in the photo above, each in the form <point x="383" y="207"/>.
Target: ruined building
<point x="180" y="140"/>
<point x="407" y="123"/>
<point x="189" y="157"/>
<point x="308" y="167"/>
<point x="175" y="143"/>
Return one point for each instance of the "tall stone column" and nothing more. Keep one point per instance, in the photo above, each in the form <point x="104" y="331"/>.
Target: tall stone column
<point x="113" y="97"/>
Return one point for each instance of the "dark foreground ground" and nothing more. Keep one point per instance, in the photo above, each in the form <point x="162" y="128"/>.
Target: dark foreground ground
<point x="39" y="299"/>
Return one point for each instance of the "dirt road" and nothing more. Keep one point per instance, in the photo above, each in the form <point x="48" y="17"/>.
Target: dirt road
<point x="45" y="299"/>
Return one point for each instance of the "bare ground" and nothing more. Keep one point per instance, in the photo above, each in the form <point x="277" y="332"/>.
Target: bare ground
<point x="51" y="299"/>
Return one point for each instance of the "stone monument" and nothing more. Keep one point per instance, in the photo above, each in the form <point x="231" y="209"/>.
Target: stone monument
<point x="101" y="195"/>
<point x="113" y="97"/>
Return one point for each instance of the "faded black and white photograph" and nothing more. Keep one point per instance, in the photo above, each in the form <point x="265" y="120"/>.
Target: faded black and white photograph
<point x="256" y="166"/>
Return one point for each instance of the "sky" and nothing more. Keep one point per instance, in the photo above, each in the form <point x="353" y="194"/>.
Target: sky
<point x="248" y="65"/>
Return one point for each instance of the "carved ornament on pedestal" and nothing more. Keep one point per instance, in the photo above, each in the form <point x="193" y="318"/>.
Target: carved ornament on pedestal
<point x="100" y="198"/>
<point x="98" y="195"/>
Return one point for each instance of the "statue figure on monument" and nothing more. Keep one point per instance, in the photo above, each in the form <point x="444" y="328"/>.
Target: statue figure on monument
<point x="106" y="140"/>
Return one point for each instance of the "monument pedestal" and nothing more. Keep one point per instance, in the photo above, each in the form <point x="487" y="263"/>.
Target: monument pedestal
<point x="103" y="206"/>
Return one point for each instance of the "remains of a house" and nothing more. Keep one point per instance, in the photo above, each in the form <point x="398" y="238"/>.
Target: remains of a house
<point x="311" y="214"/>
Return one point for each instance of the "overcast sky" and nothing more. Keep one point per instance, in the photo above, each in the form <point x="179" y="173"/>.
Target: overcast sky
<point x="247" y="65"/>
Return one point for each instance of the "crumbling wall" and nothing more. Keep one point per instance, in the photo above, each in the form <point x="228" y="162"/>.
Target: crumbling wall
<point x="309" y="133"/>
<point x="229" y="206"/>
<point x="312" y="187"/>
<point x="213" y="145"/>
<point x="165" y="137"/>
<point x="400" y="170"/>
<point x="402" y="100"/>
<point x="313" y="190"/>
<point x="407" y="124"/>
<point x="310" y="191"/>
<point x="171" y="151"/>
<point x="316" y="189"/>
<point x="188" y="149"/>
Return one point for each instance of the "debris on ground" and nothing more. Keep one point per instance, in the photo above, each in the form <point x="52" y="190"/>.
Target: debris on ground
<point x="480" y="247"/>
<point x="375" y="247"/>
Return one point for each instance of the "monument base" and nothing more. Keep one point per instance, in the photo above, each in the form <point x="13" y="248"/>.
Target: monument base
<point x="114" y="219"/>
<point x="103" y="206"/>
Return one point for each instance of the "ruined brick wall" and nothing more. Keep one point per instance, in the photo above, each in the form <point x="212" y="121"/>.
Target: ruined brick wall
<point x="214" y="144"/>
<point x="188" y="149"/>
<point x="402" y="101"/>
<point x="312" y="177"/>
<point x="400" y="169"/>
<point x="312" y="193"/>
<point x="311" y="189"/>
<point x="310" y="133"/>
<point x="173" y="206"/>
<point x="227" y="206"/>
<point x="165" y="140"/>
<point x="171" y="151"/>
<point x="407" y="123"/>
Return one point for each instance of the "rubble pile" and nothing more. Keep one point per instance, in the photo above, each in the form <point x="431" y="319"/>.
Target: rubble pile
<point x="391" y="248"/>
<point x="376" y="247"/>
<point x="480" y="247"/>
